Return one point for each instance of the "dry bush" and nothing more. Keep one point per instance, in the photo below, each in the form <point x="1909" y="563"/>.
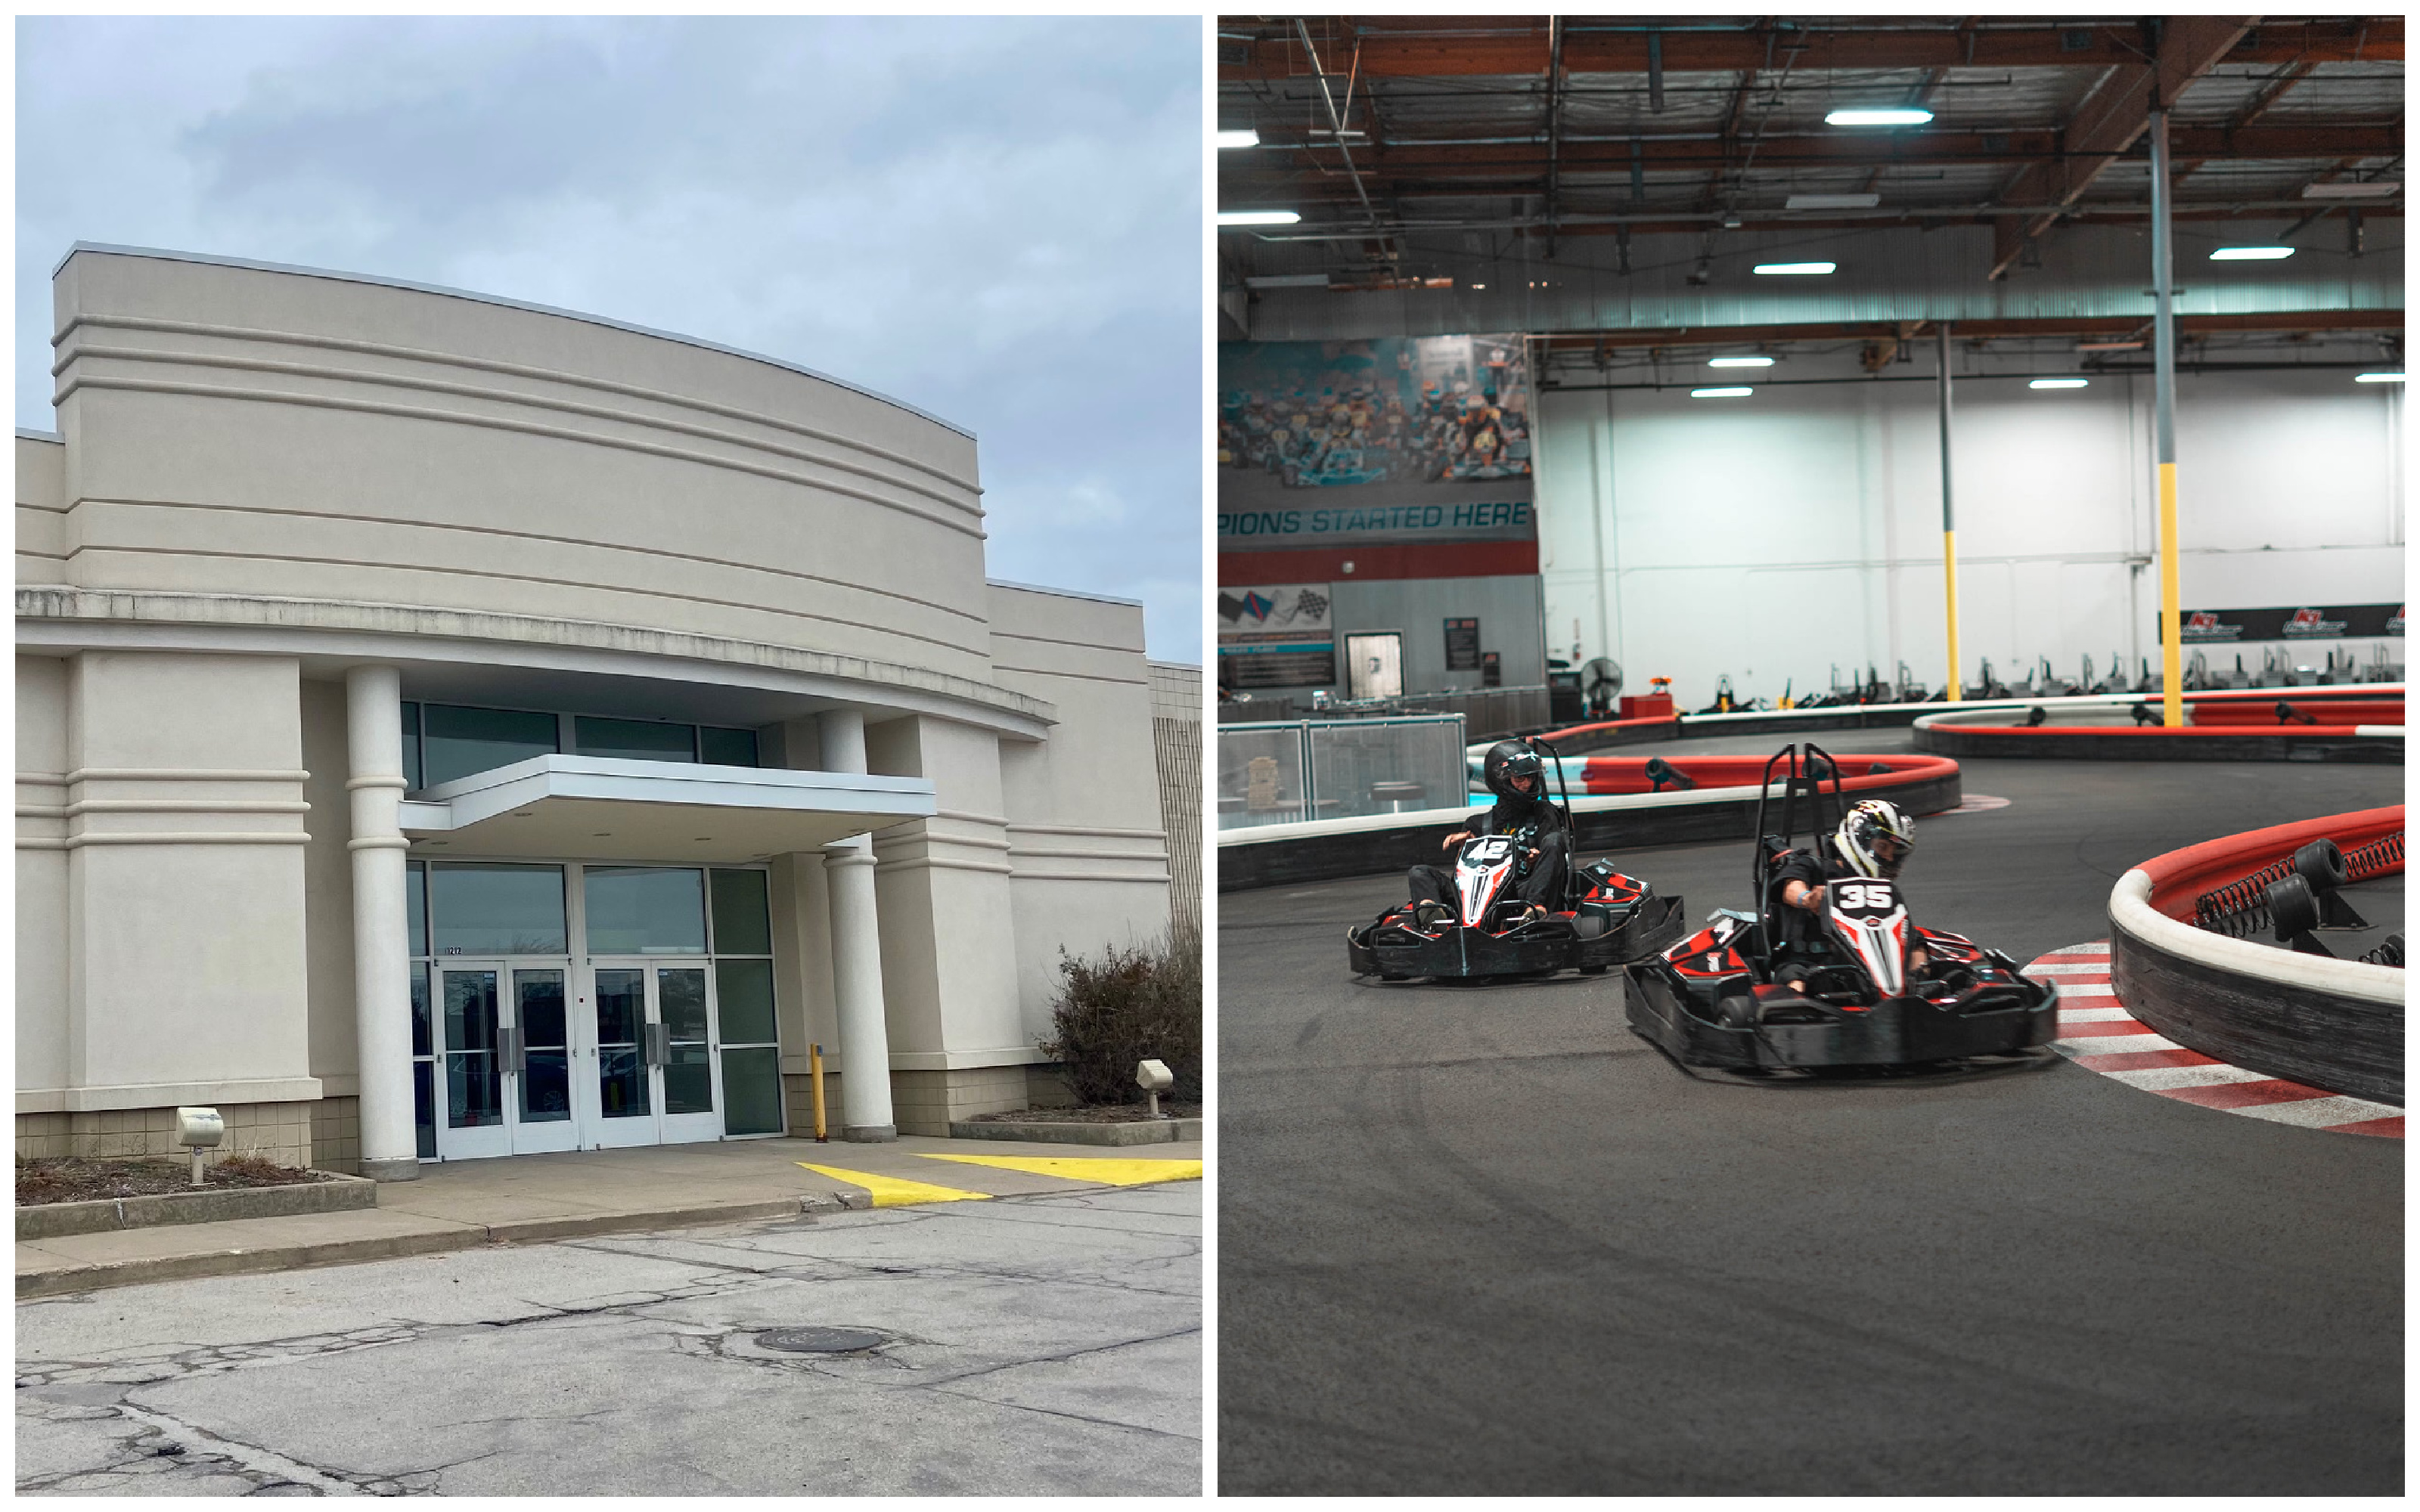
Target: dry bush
<point x="1129" y="1004"/>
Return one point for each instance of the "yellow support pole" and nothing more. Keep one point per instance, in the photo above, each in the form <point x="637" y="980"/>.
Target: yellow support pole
<point x="815" y="1065"/>
<point x="2172" y="697"/>
<point x="1949" y="575"/>
<point x="1949" y="516"/>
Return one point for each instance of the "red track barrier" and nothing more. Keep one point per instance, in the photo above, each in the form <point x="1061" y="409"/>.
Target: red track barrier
<point x="2180" y="876"/>
<point x="1598" y="775"/>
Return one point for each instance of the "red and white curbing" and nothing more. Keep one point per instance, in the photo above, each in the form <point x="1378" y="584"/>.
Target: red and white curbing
<point x="2098" y="1034"/>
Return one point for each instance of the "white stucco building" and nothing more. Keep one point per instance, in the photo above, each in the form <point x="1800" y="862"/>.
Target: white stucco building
<point x="448" y="728"/>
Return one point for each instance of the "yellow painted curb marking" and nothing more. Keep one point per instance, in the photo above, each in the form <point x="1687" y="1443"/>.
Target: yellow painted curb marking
<point x="1086" y="1168"/>
<point x="896" y="1191"/>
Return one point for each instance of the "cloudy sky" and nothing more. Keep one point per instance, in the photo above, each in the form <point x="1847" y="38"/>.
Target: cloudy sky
<point x="996" y="220"/>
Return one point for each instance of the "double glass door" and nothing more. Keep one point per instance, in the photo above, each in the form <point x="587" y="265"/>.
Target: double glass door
<point x="628" y="1059"/>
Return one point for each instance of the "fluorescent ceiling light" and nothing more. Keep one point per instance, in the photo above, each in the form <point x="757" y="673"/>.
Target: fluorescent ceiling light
<point x="2378" y="378"/>
<point x="1720" y="394"/>
<point x="1794" y="269"/>
<point x="2250" y="254"/>
<point x="2058" y="383"/>
<point x="1740" y="361"/>
<point x="2109" y="346"/>
<point x="1243" y="137"/>
<point x="1289" y="280"/>
<point x="1259" y="217"/>
<point x="1831" y="202"/>
<point x="2350" y="189"/>
<point x="1893" y="115"/>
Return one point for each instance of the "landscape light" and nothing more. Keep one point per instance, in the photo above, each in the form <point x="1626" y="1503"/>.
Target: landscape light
<point x="1889" y="116"/>
<point x="1720" y="394"/>
<point x="2250" y="254"/>
<point x="2378" y="378"/>
<point x="2058" y="383"/>
<point x="1740" y="361"/>
<point x="1259" y="217"/>
<point x="1795" y="269"/>
<point x="1246" y="137"/>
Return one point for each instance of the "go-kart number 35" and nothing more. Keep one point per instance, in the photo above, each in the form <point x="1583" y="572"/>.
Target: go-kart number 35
<point x="1864" y="898"/>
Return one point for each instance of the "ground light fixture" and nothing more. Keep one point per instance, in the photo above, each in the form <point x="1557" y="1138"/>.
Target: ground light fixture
<point x="2378" y="378"/>
<point x="2058" y="383"/>
<point x="1878" y="116"/>
<point x="1242" y="137"/>
<point x="1739" y="362"/>
<point x="2250" y="254"/>
<point x="1720" y="394"/>
<point x="1259" y="217"/>
<point x="1795" y="269"/>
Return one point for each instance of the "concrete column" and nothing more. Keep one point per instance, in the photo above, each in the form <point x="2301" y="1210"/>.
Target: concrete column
<point x="381" y="949"/>
<point x="857" y="954"/>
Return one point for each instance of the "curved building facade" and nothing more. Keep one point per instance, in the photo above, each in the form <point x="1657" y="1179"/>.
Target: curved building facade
<point x="450" y="728"/>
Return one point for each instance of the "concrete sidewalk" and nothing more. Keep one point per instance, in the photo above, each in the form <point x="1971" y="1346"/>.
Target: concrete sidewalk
<point x="534" y="1197"/>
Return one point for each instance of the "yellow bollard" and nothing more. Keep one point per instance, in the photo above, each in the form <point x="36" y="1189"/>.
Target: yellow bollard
<point x="816" y="1064"/>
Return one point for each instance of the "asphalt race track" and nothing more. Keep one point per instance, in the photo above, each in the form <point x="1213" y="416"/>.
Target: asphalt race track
<point x="1483" y="1240"/>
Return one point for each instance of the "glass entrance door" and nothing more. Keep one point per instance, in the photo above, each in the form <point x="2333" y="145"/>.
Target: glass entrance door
<point x="505" y="1065"/>
<point x="657" y="1079"/>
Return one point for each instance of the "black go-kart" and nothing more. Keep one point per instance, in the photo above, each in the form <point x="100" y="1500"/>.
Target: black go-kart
<point x="1605" y="918"/>
<point x="1721" y="999"/>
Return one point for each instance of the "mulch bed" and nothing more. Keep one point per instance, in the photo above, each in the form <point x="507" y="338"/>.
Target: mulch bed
<point x="74" y="1178"/>
<point x="1121" y="1113"/>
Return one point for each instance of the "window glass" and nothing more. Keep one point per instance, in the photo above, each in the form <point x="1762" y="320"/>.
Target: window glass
<point x="727" y="747"/>
<point x="415" y="907"/>
<point x="635" y="740"/>
<point x="741" y="924"/>
<point x="420" y="1046"/>
<point x="743" y="996"/>
<point x="423" y="1109"/>
<point x="645" y="910"/>
<point x="751" y="1091"/>
<point x="412" y="744"/>
<point x="459" y="741"/>
<point x="494" y="909"/>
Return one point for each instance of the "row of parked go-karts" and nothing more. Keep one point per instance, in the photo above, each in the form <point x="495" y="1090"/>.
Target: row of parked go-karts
<point x="1858" y="985"/>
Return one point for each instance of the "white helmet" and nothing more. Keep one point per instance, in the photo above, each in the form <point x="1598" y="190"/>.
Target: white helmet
<point x="1874" y="839"/>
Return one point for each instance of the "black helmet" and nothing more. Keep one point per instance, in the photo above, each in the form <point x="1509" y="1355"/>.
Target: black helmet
<point x="1509" y="758"/>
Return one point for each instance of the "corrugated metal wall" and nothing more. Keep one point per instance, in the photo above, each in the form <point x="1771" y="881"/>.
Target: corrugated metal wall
<point x="1176" y="743"/>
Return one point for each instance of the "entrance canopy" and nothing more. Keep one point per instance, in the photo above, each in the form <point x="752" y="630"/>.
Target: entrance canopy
<point x="593" y="808"/>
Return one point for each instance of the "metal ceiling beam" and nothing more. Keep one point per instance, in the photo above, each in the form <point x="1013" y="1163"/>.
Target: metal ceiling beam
<point x="2119" y="325"/>
<point x="2112" y="120"/>
<point x="1479" y="46"/>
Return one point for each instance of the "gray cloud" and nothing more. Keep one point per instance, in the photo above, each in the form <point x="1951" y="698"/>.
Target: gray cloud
<point x="994" y="219"/>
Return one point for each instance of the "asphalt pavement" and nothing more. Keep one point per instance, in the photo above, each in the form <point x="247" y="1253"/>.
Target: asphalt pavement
<point x="1033" y="1345"/>
<point x="1482" y="1239"/>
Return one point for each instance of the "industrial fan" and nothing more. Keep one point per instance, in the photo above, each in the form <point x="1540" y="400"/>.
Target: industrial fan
<point x="1600" y="684"/>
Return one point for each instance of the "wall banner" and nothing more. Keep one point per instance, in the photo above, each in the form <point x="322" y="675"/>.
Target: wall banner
<point x="1277" y="637"/>
<point x="2341" y="622"/>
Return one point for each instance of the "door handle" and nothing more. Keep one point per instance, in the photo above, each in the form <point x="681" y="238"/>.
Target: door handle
<point x="515" y="1053"/>
<point x="658" y="1044"/>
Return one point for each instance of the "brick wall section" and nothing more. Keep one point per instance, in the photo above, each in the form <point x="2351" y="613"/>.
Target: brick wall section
<point x="1177" y="741"/>
<point x="280" y="1131"/>
<point x="336" y="1134"/>
<point x="926" y="1102"/>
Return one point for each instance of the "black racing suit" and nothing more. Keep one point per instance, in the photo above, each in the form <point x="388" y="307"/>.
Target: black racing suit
<point x="1532" y="823"/>
<point x="1798" y="933"/>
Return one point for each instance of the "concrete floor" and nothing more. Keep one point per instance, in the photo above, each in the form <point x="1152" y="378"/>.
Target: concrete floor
<point x="1040" y="1344"/>
<point x="1484" y="1240"/>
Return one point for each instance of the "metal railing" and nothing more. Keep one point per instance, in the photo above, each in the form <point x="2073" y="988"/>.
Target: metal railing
<point x="1277" y="774"/>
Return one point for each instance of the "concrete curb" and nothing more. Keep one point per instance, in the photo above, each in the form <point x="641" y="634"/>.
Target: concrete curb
<point x="1166" y="1133"/>
<point x="255" y="1260"/>
<point x="57" y="1220"/>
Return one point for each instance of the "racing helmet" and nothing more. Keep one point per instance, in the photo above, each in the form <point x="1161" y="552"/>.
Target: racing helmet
<point x="1875" y="839"/>
<point x="1509" y="758"/>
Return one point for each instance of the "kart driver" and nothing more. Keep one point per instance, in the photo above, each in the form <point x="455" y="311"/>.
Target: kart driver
<point x="1874" y="841"/>
<point x="1518" y="780"/>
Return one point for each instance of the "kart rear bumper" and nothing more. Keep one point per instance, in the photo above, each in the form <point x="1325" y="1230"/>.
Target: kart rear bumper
<point x="1895" y="1031"/>
<point x="1386" y="949"/>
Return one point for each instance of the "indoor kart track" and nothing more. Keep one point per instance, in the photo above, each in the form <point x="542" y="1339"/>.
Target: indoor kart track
<point x="1482" y="1239"/>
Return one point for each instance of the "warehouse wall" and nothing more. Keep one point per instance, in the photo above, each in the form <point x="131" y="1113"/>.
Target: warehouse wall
<point x="1772" y="537"/>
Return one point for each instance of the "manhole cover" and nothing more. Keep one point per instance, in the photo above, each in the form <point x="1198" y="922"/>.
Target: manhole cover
<point x="821" y="1340"/>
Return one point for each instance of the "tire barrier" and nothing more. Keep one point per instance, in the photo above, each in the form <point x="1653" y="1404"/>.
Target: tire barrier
<point x="2182" y="963"/>
<point x="2358" y="723"/>
<point x="1723" y="807"/>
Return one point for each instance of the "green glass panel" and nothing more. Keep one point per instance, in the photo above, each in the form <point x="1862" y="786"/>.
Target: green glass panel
<point x="742" y="924"/>
<point x="635" y="740"/>
<point x="621" y="1006"/>
<point x="459" y="742"/>
<point x="751" y="1091"/>
<point x="423" y="1109"/>
<point x="743" y="995"/>
<point x="415" y="905"/>
<point x="412" y="745"/>
<point x="645" y="910"/>
<point x="491" y="908"/>
<point x="420" y="1046"/>
<point x="681" y="1001"/>
<point x="727" y="747"/>
<point x="689" y="1080"/>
